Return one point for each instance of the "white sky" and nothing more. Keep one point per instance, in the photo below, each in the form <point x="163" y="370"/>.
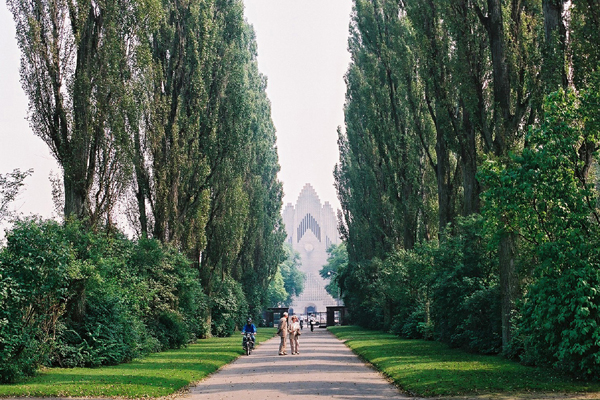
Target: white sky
<point x="302" y="47"/>
<point x="19" y="147"/>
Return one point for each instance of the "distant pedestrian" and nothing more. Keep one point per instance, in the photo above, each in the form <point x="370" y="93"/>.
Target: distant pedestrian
<point x="282" y="331"/>
<point x="312" y="323"/>
<point x="294" y="333"/>
<point x="301" y="323"/>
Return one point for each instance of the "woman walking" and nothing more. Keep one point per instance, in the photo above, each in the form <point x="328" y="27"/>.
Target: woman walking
<point x="294" y="334"/>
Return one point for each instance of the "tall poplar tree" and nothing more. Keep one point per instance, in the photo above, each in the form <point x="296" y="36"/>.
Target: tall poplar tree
<point x="72" y="54"/>
<point x="163" y="99"/>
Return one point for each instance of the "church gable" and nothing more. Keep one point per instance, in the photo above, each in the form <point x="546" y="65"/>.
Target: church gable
<point x="311" y="228"/>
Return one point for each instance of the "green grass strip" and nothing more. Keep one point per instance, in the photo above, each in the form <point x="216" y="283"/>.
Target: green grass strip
<point x="424" y="368"/>
<point x="156" y="375"/>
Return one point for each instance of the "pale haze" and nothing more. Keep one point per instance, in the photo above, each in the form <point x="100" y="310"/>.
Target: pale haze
<point x="19" y="147"/>
<point x="302" y="49"/>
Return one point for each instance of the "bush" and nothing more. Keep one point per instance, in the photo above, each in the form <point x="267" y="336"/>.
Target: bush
<point x="71" y="298"/>
<point x="385" y="294"/>
<point x="229" y="308"/>
<point x="175" y="307"/>
<point x="561" y="321"/>
<point x="170" y="330"/>
<point x="415" y="326"/>
<point x="548" y="195"/>
<point x="466" y="297"/>
<point x="36" y="267"/>
<point x="108" y="334"/>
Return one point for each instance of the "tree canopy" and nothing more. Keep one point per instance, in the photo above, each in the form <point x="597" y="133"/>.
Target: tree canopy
<point x="288" y="281"/>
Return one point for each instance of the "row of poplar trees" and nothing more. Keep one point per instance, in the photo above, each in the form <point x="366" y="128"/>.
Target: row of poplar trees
<point x="467" y="174"/>
<point x="157" y="114"/>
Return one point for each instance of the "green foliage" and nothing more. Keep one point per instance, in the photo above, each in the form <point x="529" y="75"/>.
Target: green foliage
<point x="293" y="278"/>
<point x="171" y="297"/>
<point x="229" y="308"/>
<point x="37" y="267"/>
<point x="277" y="294"/>
<point x="440" y="98"/>
<point x="192" y="139"/>
<point x="389" y="291"/>
<point x="547" y="195"/>
<point x="466" y="297"/>
<point x="415" y="326"/>
<point x="170" y="330"/>
<point x="356" y="282"/>
<point x="336" y="261"/>
<point x="74" y="298"/>
<point x="288" y="280"/>
<point x="87" y="51"/>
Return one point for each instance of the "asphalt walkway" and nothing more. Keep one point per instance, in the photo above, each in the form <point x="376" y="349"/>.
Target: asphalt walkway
<point x="325" y="368"/>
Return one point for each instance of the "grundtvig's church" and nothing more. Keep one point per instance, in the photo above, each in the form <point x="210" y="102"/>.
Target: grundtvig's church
<point x="311" y="229"/>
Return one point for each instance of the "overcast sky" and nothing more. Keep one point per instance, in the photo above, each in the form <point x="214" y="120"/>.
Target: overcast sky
<point x="302" y="47"/>
<point x="19" y="147"/>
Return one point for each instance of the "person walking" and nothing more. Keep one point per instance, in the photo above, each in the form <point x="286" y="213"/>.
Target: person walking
<point x="282" y="331"/>
<point x="294" y="334"/>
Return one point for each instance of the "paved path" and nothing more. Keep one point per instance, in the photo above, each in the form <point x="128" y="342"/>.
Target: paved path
<point x="325" y="368"/>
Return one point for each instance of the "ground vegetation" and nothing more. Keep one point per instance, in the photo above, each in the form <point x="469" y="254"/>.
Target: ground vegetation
<point x="455" y="374"/>
<point x="158" y="375"/>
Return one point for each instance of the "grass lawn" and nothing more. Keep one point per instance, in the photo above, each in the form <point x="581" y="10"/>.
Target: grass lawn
<point x="425" y="368"/>
<point x="156" y="375"/>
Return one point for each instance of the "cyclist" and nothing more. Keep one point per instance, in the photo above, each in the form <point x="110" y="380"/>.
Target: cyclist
<point x="249" y="328"/>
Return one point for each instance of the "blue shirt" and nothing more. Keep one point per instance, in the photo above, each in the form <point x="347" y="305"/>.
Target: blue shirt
<point x="249" y="328"/>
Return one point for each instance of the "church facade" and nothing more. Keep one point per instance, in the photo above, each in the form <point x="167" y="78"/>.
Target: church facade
<point x="311" y="228"/>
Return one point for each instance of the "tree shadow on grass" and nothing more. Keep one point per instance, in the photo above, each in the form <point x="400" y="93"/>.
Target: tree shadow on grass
<point x="158" y="374"/>
<point x="433" y="369"/>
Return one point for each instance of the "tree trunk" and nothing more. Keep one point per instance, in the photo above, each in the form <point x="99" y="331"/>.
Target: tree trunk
<point x="208" y="323"/>
<point x="509" y="286"/>
<point x="437" y="100"/>
<point x="555" y="71"/>
<point x="387" y="314"/>
<point x="409" y="223"/>
<point x="143" y="189"/>
<point x="502" y="145"/>
<point x="443" y="181"/>
<point x="75" y="196"/>
<point x="500" y="74"/>
<point x="468" y="158"/>
<point x="81" y="151"/>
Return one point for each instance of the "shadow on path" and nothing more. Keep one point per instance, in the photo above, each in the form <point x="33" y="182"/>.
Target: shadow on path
<point x="325" y="368"/>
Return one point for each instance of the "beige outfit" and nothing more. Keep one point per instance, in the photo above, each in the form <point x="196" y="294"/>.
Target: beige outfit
<point x="294" y="333"/>
<point x="282" y="331"/>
